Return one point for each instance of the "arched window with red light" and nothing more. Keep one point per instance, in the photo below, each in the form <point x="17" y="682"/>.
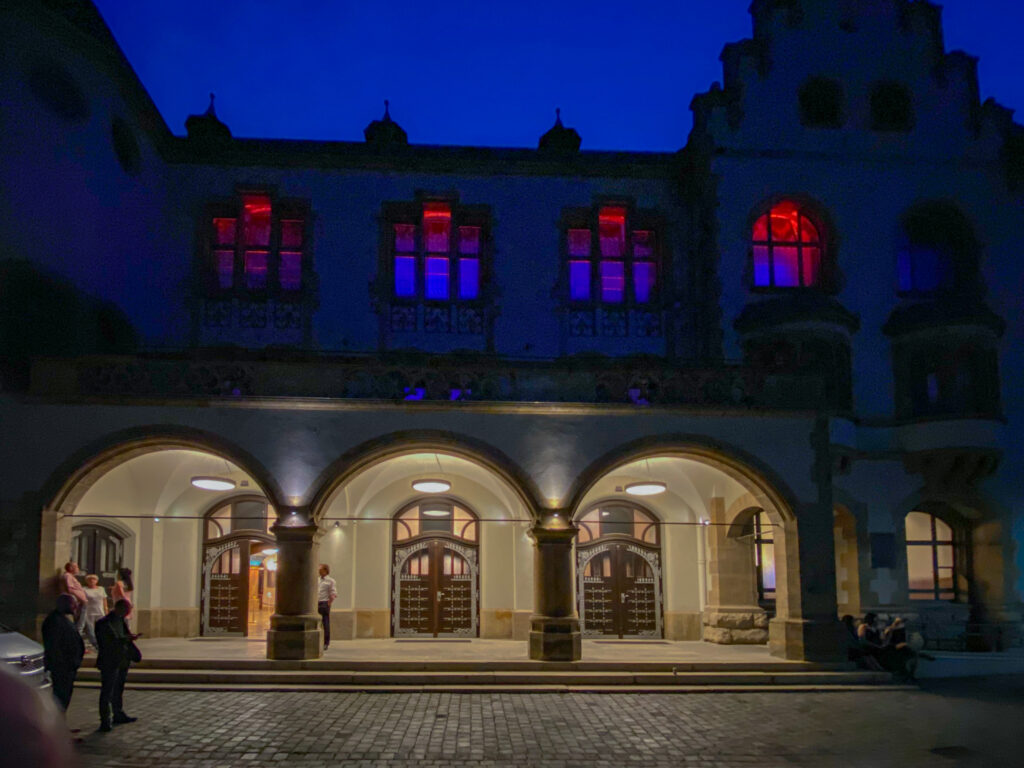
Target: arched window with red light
<point x="787" y="247"/>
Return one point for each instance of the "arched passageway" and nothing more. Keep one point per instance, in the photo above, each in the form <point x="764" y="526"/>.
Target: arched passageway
<point x="146" y="507"/>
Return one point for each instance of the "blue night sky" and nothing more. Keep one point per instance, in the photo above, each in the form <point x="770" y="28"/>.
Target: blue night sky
<point x="472" y="72"/>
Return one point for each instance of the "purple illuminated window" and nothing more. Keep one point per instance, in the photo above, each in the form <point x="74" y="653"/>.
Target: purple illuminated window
<point x="579" y="280"/>
<point x="291" y="233"/>
<point x="225" y="262"/>
<point x="613" y="281"/>
<point x="579" y="242"/>
<point x="256" y="270"/>
<point x="405" y="238"/>
<point x="469" y="240"/>
<point x="256" y="220"/>
<point x="643" y="244"/>
<point x="290" y="270"/>
<point x="405" y="276"/>
<point x="612" y="232"/>
<point x="436" y="283"/>
<point x="437" y="225"/>
<point x="224" y="231"/>
<point x="643" y="280"/>
<point x="469" y="278"/>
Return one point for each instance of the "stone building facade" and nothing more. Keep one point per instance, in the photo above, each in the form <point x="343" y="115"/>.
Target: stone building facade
<point x="729" y="393"/>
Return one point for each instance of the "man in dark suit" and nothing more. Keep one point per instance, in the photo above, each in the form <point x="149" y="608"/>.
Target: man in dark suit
<point x="63" y="647"/>
<point x="115" y="656"/>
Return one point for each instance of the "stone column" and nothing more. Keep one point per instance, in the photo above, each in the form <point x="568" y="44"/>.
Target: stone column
<point x="732" y="615"/>
<point x="554" y="626"/>
<point x="295" y="625"/>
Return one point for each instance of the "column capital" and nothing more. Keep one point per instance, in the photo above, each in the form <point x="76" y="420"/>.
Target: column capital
<point x="302" y="532"/>
<point x="543" y="534"/>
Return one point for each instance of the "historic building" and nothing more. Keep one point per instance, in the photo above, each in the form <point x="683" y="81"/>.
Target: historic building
<point x="729" y="393"/>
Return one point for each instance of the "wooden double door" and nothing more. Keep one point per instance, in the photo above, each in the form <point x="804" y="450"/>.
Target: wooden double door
<point x="619" y="589"/>
<point x="235" y="592"/>
<point x="435" y="591"/>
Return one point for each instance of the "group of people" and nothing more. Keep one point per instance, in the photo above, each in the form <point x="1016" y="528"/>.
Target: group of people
<point x="884" y="648"/>
<point x="84" y="611"/>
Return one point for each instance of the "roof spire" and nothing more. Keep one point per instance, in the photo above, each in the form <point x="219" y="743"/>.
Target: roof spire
<point x="560" y="140"/>
<point x="207" y="127"/>
<point x="385" y="132"/>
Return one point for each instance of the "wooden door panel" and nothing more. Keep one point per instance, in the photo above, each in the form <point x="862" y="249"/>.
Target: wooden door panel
<point x="415" y="594"/>
<point x="599" y="599"/>
<point x="226" y="589"/>
<point x="455" y="592"/>
<point x="638" y="599"/>
<point x="619" y="591"/>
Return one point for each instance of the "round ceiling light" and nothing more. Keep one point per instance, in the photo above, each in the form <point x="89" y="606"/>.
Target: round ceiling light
<point x="437" y="512"/>
<point x="268" y="551"/>
<point x="208" y="483"/>
<point x="646" y="488"/>
<point x="431" y="486"/>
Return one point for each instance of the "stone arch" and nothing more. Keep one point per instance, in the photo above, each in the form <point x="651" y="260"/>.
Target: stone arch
<point x="729" y="612"/>
<point x="66" y="486"/>
<point x="395" y="444"/>
<point x="355" y="500"/>
<point x="763" y="484"/>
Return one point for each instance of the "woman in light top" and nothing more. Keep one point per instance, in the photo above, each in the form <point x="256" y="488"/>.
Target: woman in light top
<point x="123" y="589"/>
<point x="95" y="607"/>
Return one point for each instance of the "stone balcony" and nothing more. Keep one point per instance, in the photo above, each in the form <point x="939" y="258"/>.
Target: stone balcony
<point x="637" y="382"/>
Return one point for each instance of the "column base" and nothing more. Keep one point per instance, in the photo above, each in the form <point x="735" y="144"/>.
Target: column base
<point x="294" y="637"/>
<point x="807" y="640"/>
<point x="555" y="639"/>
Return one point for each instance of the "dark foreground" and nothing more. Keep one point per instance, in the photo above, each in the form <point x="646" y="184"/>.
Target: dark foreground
<point x="947" y="723"/>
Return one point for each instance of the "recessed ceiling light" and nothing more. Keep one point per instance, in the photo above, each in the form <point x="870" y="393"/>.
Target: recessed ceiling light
<point x="431" y="486"/>
<point x="208" y="483"/>
<point x="270" y="551"/>
<point x="646" y="488"/>
<point x="437" y="512"/>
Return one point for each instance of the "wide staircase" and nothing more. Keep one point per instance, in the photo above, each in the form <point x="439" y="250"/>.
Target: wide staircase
<point x="453" y="676"/>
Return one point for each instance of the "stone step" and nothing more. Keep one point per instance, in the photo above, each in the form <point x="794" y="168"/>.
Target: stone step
<point x="357" y="679"/>
<point x="524" y="665"/>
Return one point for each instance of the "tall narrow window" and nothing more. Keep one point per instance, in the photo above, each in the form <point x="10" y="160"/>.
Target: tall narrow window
<point x="931" y="562"/>
<point x="764" y="557"/>
<point x="786" y="248"/>
<point x="257" y="242"/>
<point x="622" y="261"/>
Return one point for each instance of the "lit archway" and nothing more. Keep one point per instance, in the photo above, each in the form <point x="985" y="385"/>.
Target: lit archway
<point x="372" y="553"/>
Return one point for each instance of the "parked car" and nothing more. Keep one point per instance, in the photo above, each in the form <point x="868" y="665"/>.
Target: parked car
<point x="25" y="656"/>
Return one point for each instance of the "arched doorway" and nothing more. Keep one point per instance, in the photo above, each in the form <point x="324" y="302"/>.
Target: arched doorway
<point x="98" y="550"/>
<point x="238" y="568"/>
<point x="618" y="572"/>
<point x="435" y="571"/>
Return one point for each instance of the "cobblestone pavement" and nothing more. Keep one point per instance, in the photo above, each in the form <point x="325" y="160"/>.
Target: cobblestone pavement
<point x="946" y="725"/>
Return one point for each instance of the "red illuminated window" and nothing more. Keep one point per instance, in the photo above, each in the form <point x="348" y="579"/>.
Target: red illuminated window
<point x="787" y="248"/>
<point x="618" y="266"/>
<point x="437" y="255"/>
<point x="259" y="246"/>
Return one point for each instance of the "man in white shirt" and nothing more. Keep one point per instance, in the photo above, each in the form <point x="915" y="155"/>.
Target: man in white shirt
<point x="326" y="591"/>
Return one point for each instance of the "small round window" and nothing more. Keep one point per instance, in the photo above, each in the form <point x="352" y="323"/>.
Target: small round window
<point x="58" y="91"/>
<point x="126" y="146"/>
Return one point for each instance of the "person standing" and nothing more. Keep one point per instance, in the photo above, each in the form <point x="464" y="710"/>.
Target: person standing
<point x="70" y="585"/>
<point x="123" y="589"/>
<point x="115" y="657"/>
<point x="326" y="591"/>
<point x="63" y="649"/>
<point x="95" y="608"/>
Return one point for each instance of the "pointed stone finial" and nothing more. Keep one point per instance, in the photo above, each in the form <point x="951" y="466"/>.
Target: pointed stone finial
<point x="385" y="132"/>
<point x="560" y="140"/>
<point x="207" y="127"/>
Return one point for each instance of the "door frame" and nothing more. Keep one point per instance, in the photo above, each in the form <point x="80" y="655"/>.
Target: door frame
<point x="652" y="554"/>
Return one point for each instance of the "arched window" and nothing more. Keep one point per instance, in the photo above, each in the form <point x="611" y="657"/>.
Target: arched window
<point x="931" y="561"/>
<point x="787" y="248"/>
<point x="622" y="519"/>
<point x="937" y="250"/>
<point x="434" y="517"/>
